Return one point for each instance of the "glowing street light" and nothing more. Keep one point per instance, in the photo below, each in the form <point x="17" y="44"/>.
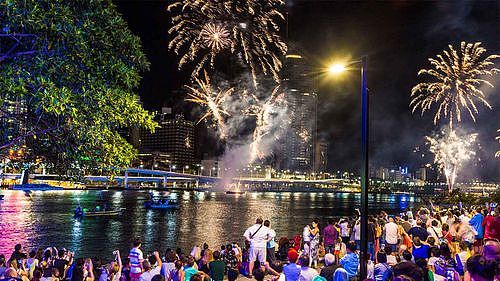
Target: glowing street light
<point x="337" y="68"/>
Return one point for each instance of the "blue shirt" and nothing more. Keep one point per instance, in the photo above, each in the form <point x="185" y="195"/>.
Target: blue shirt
<point x="381" y="272"/>
<point x="291" y="271"/>
<point x="421" y="252"/>
<point x="477" y="222"/>
<point x="350" y="263"/>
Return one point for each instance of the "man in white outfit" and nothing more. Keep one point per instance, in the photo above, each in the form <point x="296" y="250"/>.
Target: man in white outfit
<point x="258" y="235"/>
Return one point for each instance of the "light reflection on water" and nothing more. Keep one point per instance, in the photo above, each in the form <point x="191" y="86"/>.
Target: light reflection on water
<point x="45" y="218"/>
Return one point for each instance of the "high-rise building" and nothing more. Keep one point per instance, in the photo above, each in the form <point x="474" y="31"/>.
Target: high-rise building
<point x="321" y="156"/>
<point x="421" y="174"/>
<point x="12" y="120"/>
<point x="174" y="137"/>
<point x="297" y="153"/>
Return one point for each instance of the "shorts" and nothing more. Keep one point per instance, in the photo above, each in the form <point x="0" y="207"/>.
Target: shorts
<point x="257" y="253"/>
<point x="135" y="276"/>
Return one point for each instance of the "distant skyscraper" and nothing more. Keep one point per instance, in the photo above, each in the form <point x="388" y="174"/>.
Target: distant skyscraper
<point x="12" y="120"/>
<point x="321" y="156"/>
<point x="297" y="151"/>
<point x="175" y="137"/>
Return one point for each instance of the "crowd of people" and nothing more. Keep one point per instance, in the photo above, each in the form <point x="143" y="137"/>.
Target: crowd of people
<point x="430" y="245"/>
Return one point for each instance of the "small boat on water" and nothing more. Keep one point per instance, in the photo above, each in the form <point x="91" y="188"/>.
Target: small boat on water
<point x="35" y="187"/>
<point x="81" y="213"/>
<point x="235" y="192"/>
<point x="161" y="203"/>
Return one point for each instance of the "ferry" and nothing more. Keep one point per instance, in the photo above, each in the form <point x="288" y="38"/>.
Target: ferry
<point x="35" y="187"/>
<point x="161" y="203"/>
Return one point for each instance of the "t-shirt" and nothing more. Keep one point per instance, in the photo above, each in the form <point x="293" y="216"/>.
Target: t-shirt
<point x="344" y="229"/>
<point x="135" y="256"/>
<point x="259" y="235"/>
<point x="291" y="272"/>
<point x="420" y="252"/>
<point x="148" y="275"/>
<point x="271" y="243"/>
<point x="307" y="274"/>
<point x="166" y="269"/>
<point x="491" y="227"/>
<point x="420" y="232"/>
<point x="435" y="232"/>
<point x="432" y="261"/>
<point x="217" y="269"/>
<point x="381" y="271"/>
<point x="330" y="234"/>
<point x="61" y="265"/>
<point x="357" y="232"/>
<point x="189" y="272"/>
<point x="391" y="233"/>
<point x="477" y="223"/>
<point x="350" y="263"/>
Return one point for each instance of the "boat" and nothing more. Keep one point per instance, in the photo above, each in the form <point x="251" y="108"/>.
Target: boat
<point x="161" y="203"/>
<point x="35" y="187"/>
<point x="235" y="192"/>
<point x="81" y="213"/>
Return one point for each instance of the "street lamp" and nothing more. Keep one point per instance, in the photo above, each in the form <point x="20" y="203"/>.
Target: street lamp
<point x="334" y="69"/>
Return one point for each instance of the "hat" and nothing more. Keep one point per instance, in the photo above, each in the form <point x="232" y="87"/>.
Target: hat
<point x="293" y="255"/>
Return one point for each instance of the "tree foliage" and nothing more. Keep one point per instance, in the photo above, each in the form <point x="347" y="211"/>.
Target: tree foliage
<point x="78" y="87"/>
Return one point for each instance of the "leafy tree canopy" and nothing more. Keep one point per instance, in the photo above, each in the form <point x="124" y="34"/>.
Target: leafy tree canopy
<point x="77" y="88"/>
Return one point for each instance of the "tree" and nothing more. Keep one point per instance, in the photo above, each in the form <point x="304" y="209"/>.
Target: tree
<point x="77" y="89"/>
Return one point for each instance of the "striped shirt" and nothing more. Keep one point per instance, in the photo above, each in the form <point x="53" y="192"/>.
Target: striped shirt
<point x="136" y="258"/>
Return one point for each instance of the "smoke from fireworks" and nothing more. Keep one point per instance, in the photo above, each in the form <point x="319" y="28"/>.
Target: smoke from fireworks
<point x="451" y="151"/>
<point x="497" y="154"/>
<point x="457" y="77"/>
<point x="212" y="101"/>
<point x="249" y="29"/>
<point x="263" y="111"/>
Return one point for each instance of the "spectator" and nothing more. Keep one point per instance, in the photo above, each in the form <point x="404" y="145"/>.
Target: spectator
<point x="350" y="262"/>
<point x="217" y="267"/>
<point x="329" y="269"/>
<point x="306" y="273"/>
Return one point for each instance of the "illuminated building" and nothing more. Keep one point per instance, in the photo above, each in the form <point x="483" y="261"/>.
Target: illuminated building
<point x="174" y="137"/>
<point x="321" y="156"/>
<point x="12" y="120"/>
<point x="297" y="148"/>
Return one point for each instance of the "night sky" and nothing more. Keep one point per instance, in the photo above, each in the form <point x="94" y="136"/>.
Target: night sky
<point x="398" y="37"/>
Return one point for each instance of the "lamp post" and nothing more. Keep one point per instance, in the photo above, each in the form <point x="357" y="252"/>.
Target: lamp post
<point x="337" y="68"/>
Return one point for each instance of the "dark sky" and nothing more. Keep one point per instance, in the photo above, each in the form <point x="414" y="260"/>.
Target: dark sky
<point x="398" y="37"/>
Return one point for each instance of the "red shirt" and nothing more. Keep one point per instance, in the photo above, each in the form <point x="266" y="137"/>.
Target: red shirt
<point x="491" y="227"/>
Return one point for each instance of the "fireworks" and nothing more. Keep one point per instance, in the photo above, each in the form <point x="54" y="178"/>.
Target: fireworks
<point x="212" y="101"/>
<point x="215" y="36"/>
<point x="263" y="111"/>
<point x="248" y="29"/>
<point x="304" y="135"/>
<point x="457" y="80"/>
<point x="497" y="154"/>
<point x="451" y="151"/>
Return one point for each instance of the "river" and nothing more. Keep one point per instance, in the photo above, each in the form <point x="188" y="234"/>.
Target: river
<point x="44" y="219"/>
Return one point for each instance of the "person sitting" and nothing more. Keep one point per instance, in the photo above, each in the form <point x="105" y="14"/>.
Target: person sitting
<point x="481" y="269"/>
<point x="291" y="271"/>
<point x="329" y="269"/>
<point x="350" y="262"/>
<point x="306" y="273"/>
<point x="382" y="269"/>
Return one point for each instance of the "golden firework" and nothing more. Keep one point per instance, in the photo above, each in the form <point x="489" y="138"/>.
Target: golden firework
<point x="249" y="29"/>
<point x="457" y="77"/>
<point x="212" y="101"/>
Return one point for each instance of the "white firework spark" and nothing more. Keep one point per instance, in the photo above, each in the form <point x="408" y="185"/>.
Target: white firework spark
<point x="251" y="28"/>
<point x="451" y="151"/>
<point x="497" y="154"/>
<point x="457" y="77"/>
<point x="212" y="101"/>
<point x="263" y="112"/>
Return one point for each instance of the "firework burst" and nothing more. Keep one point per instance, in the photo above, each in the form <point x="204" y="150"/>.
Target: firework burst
<point x="451" y="151"/>
<point x="497" y="154"/>
<point x="248" y="29"/>
<point x="457" y="80"/>
<point x="212" y="101"/>
<point x="263" y="111"/>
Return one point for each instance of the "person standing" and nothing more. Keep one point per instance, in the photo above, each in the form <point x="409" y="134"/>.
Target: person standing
<point x="217" y="267"/>
<point x="477" y="223"/>
<point x="330" y="235"/>
<point x="491" y="224"/>
<point x="271" y="244"/>
<point x="391" y="234"/>
<point x="344" y="230"/>
<point x="136" y="258"/>
<point x="258" y="236"/>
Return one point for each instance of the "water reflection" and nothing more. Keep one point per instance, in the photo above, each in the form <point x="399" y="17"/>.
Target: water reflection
<point x="45" y="218"/>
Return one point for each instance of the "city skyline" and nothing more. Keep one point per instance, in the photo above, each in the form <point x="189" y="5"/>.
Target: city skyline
<point x="396" y="133"/>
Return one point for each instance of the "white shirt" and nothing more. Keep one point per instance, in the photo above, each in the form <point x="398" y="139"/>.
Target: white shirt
<point x="166" y="269"/>
<point x="147" y="275"/>
<point x="435" y="232"/>
<point x="260" y="236"/>
<point x="307" y="274"/>
<point x="432" y="261"/>
<point x="391" y="233"/>
<point x="272" y="235"/>
<point x="306" y="234"/>
<point x="357" y="232"/>
<point x="344" y="229"/>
